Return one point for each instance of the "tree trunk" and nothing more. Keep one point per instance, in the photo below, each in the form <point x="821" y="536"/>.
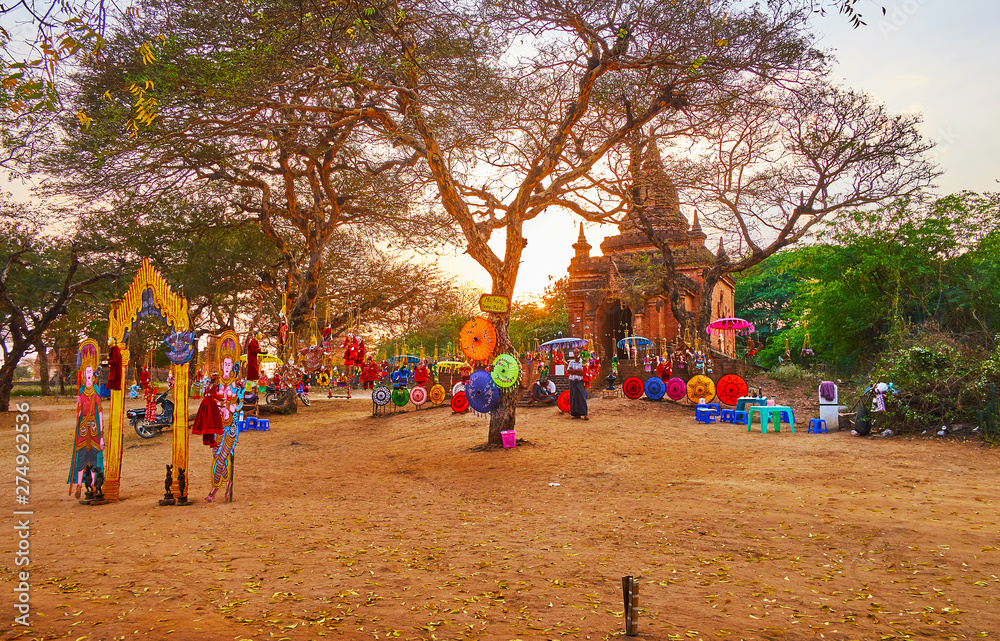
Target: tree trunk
<point x="504" y="417"/>
<point x="6" y="384"/>
<point x="288" y="404"/>
<point x="710" y="278"/>
<point x="43" y="366"/>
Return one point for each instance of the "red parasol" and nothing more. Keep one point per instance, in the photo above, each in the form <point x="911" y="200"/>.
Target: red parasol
<point x="459" y="403"/>
<point x="633" y="387"/>
<point x="730" y="388"/>
<point x="738" y="325"/>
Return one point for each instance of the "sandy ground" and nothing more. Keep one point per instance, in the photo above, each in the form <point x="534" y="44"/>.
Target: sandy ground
<point x="354" y="527"/>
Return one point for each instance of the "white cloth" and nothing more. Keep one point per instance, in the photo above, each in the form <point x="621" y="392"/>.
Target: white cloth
<point x="575" y="370"/>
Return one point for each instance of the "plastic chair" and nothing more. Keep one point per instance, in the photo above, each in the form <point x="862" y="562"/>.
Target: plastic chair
<point x="240" y="426"/>
<point x="727" y="416"/>
<point x="740" y="416"/>
<point x="705" y="414"/>
<point x="264" y="424"/>
<point x="250" y="422"/>
<point x="817" y="426"/>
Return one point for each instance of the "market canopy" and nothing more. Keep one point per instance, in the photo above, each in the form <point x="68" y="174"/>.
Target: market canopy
<point x="638" y="341"/>
<point x="738" y="325"/>
<point x="563" y="343"/>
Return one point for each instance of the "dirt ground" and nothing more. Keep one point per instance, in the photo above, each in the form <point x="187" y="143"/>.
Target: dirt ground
<point x="356" y="527"/>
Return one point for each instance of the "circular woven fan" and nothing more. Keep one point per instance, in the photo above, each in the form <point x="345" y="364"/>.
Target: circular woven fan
<point x="655" y="388"/>
<point x="482" y="393"/>
<point x="676" y="389"/>
<point x="563" y="401"/>
<point x="700" y="387"/>
<point x="457" y="387"/>
<point x="632" y="387"/>
<point x="400" y="397"/>
<point x="437" y="394"/>
<point x="505" y="371"/>
<point x="418" y="396"/>
<point x="381" y="395"/>
<point x="478" y="339"/>
<point x="459" y="403"/>
<point x="730" y="388"/>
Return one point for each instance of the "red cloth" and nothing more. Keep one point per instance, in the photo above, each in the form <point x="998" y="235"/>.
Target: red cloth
<point x="253" y="367"/>
<point x="115" y="367"/>
<point x="208" y="420"/>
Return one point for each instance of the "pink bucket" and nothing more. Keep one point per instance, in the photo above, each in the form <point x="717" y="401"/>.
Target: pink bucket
<point x="509" y="438"/>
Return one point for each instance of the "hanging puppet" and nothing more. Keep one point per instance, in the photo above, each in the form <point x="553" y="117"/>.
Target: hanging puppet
<point x="253" y="352"/>
<point x="88" y="445"/>
<point x="114" y="365"/>
<point x="231" y="390"/>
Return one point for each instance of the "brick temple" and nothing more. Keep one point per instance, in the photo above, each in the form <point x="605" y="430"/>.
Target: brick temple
<point x="597" y="313"/>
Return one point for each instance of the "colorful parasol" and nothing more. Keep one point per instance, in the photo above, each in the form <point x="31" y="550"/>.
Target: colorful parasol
<point x="447" y="366"/>
<point x="655" y="388"/>
<point x="405" y="358"/>
<point x="437" y="394"/>
<point x="563" y="402"/>
<point x="563" y="343"/>
<point x="478" y="339"/>
<point x="505" y="371"/>
<point x="482" y="393"/>
<point x="730" y="388"/>
<point x="738" y="325"/>
<point x="676" y="389"/>
<point x="638" y="341"/>
<point x="457" y="387"/>
<point x="633" y="387"/>
<point x="381" y="395"/>
<point x="459" y="403"/>
<point x="418" y="396"/>
<point x="400" y="396"/>
<point x="700" y="387"/>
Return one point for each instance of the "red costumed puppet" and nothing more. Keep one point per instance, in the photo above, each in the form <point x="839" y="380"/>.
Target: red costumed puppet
<point x="421" y="374"/>
<point x="144" y="378"/>
<point x="114" y="366"/>
<point x="369" y="374"/>
<point x="665" y="370"/>
<point x="253" y="350"/>
<point x="208" y="420"/>
<point x="150" y="403"/>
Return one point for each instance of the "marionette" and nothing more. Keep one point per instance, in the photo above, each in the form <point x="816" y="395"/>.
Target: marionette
<point x="664" y="369"/>
<point x="88" y="444"/>
<point x="144" y="377"/>
<point x="150" y="392"/>
<point x="647" y="363"/>
<point x="114" y="365"/>
<point x="326" y="333"/>
<point x="253" y="351"/>
<point x="559" y="359"/>
<point x="421" y="374"/>
<point x="208" y="420"/>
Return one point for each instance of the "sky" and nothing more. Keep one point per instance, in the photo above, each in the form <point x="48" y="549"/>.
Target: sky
<point x="938" y="58"/>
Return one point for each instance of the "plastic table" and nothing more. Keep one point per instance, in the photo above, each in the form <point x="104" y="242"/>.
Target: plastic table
<point x="770" y="413"/>
<point x="744" y="401"/>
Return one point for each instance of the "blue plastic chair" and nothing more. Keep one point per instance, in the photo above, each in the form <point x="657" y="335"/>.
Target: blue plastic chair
<point x="817" y="426"/>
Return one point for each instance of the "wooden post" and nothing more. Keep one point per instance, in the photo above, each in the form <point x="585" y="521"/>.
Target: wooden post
<point x="630" y="592"/>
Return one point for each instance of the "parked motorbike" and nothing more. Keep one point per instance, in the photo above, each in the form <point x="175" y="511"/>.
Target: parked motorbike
<point x="150" y="428"/>
<point x="272" y="396"/>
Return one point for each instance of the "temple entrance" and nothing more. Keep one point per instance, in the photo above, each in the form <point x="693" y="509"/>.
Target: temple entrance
<point x="614" y="322"/>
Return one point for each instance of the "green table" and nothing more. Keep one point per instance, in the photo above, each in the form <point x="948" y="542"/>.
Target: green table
<point x="770" y="413"/>
<point x="747" y="401"/>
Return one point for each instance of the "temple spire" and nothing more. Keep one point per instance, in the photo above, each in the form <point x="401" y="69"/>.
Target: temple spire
<point x="721" y="253"/>
<point x="581" y="245"/>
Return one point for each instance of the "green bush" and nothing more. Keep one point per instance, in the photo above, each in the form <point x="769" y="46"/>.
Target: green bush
<point x="791" y="373"/>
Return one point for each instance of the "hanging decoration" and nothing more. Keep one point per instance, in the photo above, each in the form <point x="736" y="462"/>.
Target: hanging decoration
<point x="562" y="343"/>
<point x="505" y="371"/>
<point x="482" y="393"/>
<point x="478" y="339"/>
<point x="737" y="325"/>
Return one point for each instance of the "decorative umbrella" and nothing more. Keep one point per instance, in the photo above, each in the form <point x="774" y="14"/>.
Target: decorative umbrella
<point x="731" y="387"/>
<point x="700" y="386"/>
<point x="405" y="358"/>
<point x="418" y="396"/>
<point x="457" y="387"/>
<point x="633" y="387"/>
<point x="738" y="325"/>
<point x="638" y="341"/>
<point x="459" y="403"/>
<point x="676" y="389"/>
<point x="482" y="393"/>
<point x="563" y="402"/>
<point x="447" y="366"/>
<point x="478" y="339"/>
<point x="505" y="371"/>
<point x="381" y="395"/>
<point x="563" y="343"/>
<point x="437" y="394"/>
<point x="655" y="388"/>
<point x="400" y="397"/>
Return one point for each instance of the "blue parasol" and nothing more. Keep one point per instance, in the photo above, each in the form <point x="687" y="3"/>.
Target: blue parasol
<point x="408" y="358"/>
<point x="563" y="343"/>
<point x="638" y="341"/>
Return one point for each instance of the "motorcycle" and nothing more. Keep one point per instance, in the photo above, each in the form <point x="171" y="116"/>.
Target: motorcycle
<point x="272" y="396"/>
<point x="149" y="429"/>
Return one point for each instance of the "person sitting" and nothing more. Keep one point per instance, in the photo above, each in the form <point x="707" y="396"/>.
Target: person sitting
<point x="543" y="391"/>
